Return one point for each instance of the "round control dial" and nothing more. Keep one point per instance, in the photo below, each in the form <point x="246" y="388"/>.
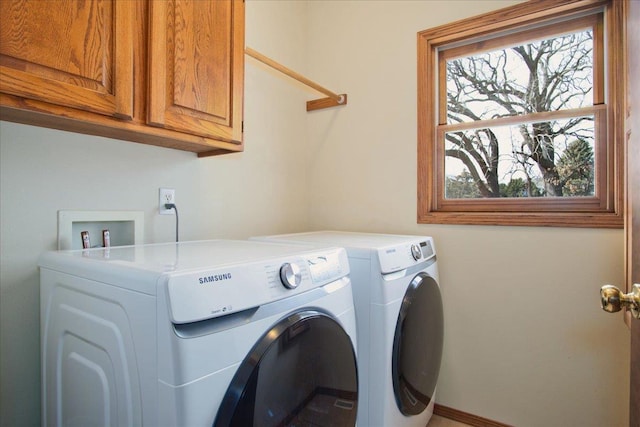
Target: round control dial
<point x="416" y="252"/>
<point x="290" y="275"/>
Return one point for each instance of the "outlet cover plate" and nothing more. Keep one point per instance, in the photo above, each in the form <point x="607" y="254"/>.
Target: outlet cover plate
<point x="166" y="195"/>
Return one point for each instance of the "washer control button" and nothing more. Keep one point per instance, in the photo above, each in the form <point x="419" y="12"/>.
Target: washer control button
<point x="416" y="252"/>
<point x="290" y="275"/>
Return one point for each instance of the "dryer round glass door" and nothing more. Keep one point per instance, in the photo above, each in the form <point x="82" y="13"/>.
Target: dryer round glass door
<point x="417" y="345"/>
<point x="301" y="372"/>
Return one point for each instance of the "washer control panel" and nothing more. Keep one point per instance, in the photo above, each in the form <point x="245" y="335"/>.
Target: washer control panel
<point x="217" y="292"/>
<point x="398" y="257"/>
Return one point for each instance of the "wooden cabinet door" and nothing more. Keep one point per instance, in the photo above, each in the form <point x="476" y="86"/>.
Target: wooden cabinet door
<point x="73" y="53"/>
<point x="196" y="67"/>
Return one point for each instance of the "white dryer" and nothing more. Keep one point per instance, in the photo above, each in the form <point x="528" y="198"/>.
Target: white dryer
<point x="399" y="317"/>
<point x="222" y="333"/>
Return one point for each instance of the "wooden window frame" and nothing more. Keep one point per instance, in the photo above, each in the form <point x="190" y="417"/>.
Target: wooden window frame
<point x="605" y="210"/>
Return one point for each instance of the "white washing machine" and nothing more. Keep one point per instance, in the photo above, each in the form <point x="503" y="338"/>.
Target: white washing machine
<point x="399" y="318"/>
<point x="222" y="333"/>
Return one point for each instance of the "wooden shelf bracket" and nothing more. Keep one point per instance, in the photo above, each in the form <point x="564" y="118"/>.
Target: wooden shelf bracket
<point x="332" y="100"/>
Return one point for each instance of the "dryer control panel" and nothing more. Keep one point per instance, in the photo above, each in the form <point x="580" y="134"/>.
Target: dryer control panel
<point x="221" y="291"/>
<point x="398" y="257"/>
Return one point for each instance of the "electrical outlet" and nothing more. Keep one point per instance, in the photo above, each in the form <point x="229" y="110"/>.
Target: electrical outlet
<point x="166" y="195"/>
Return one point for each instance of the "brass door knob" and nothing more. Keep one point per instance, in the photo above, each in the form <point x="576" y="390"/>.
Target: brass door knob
<point x="613" y="299"/>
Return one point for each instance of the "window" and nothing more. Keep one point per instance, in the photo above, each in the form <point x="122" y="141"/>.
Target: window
<point x="520" y="116"/>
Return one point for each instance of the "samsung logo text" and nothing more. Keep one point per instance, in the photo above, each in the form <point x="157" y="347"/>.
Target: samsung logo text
<point x="214" y="278"/>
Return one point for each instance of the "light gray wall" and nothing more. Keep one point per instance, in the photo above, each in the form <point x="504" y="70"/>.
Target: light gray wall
<point x="526" y="342"/>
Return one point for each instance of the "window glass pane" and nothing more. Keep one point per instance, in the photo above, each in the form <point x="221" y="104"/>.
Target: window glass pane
<point x="546" y="75"/>
<point x="544" y="159"/>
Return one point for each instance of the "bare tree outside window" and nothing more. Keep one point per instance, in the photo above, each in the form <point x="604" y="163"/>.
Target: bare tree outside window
<point x="521" y="116"/>
<point x="548" y="75"/>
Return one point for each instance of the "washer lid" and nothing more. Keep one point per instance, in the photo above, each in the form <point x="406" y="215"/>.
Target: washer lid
<point x="141" y="267"/>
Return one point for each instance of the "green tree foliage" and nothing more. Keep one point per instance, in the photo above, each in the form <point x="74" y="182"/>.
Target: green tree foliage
<point x="462" y="186"/>
<point x="575" y="169"/>
<point x="515" y="188"/>
<point x="518" y="187"/>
